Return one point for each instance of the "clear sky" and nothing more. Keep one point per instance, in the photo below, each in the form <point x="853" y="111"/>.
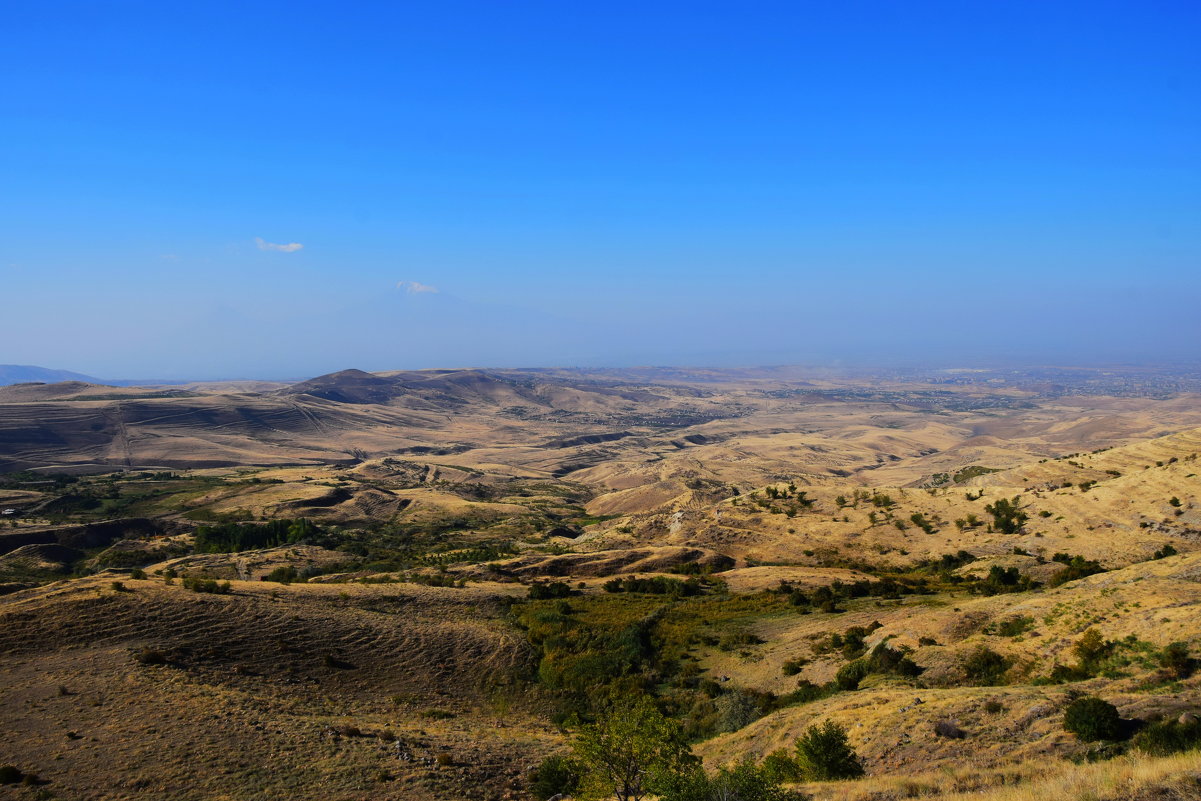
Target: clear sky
<point x="256" y="189"/>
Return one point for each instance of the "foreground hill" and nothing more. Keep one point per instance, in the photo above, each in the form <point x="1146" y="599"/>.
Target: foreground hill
<point x="264" y="692"/>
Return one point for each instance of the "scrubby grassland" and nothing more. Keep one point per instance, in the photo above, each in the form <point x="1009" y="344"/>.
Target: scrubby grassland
<point x="1125" y="778"/>
<point x="792" y="587"/>
<point x="264" y="692"/>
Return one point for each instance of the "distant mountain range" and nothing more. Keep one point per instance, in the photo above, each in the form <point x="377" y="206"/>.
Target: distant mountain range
<point x="24" y="373"/>
<point x="28" y="373"/>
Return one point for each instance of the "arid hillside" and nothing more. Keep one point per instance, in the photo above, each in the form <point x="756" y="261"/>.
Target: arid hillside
<point x="430" y="584"/>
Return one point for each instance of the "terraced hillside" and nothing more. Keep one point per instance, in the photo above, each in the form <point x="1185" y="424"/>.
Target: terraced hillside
<point x="266" y="691"/>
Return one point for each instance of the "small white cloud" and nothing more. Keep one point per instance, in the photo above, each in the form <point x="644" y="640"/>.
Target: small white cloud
<point x="291" y="247"/>
<point x="416" y="288"/>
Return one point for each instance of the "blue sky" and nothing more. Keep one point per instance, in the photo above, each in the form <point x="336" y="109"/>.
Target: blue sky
<point x="610" y="183"/>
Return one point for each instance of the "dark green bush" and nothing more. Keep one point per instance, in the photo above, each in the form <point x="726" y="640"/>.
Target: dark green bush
<point x="283" y="575"/>
<point x="805" y="692"/>
<point x="1093" y="652"/>
<point x="1091" y="719"/>
<point x="851" y="674"/>
<point x="886" y="659"/>
<point x="1002" y="580"/>
<point x="882" y="659"/>
<point x="794" y="666"/>
<point x="740" y="638"/>
<point x="739" y="708"/>
<point x="745" y="781"/>
<point x="556" y="775"/>
<point x="1075" y="567"/>
<point x="985" y="667"/>
<point x="1092" y="649"/>
<point x="1065" y="674"/>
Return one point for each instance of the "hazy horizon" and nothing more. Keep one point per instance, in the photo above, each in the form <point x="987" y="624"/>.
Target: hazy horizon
<point x="529" y="185"/>
<point x="833" y="368"/>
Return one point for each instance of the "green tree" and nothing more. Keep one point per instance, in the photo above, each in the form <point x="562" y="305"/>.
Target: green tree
<point x="1092" y="649"/>
<point x="824" y="754"/>
<point x="1175" y="658"/>
<point x="632" y="750"/>
<point x="1007" y="515"/>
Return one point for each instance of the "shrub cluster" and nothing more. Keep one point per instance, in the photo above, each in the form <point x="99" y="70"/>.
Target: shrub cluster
<point x="1164" y="552"/>
<point x="1002" y="580"/>
<point x="657" y="585"/>
<point x="540" y="591"/>
<point x="207" y="585"/>
<point x="1011" y="627"/>
<point x="985" y="667"/>
<point x="1074" y="567"/>
<point x="827" y="598"/>
<point x="1007" y="515"/>
<point x="883" y="659"/>
<point x="1097" y="656"/>
<point x="1170" y="737"/>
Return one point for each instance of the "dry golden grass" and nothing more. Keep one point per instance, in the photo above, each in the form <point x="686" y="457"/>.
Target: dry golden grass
<point x="1126" y="778"/>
